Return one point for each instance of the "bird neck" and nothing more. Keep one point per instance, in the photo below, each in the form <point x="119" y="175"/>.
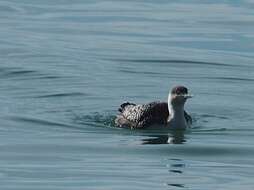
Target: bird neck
<point x="176" y="117"/>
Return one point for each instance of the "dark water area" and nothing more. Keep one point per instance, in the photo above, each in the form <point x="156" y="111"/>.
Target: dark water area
<point x="66" y="66"/>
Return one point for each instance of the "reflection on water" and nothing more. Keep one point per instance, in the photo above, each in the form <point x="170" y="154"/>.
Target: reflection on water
<point x="66" y="66"/>
<point x="176" y="185"/>
<point x="176" y="171"/>
<point x="176" y="168"/>
<point x="158" y="136"/>
<point x="153" y="139"/>
<point x="174" y="137"/>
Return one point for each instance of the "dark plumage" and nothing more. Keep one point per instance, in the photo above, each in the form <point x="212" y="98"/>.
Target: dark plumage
<point x="157" y="113"/>
<point x="145" y="115"/>
<point x="179" y="90"/>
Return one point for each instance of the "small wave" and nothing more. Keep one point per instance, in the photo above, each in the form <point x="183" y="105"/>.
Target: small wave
<point x="39" y="121"/>
<point x="223" y="130"/>
<point x="49" y="77"/>
<point x="140" y="72"/>
<point x="200" y="120"/>
<point x="16" y="72"/>
<point x="232" y="79"/>
<point x="24" y="74"/>
<point x="174" y="61"/>
<point x="61" y="95"/>
<point x="211" y="116"/>
<point x="96" y="119"/>
<point x="21" y="72"/>
<point x="10" y="9"/>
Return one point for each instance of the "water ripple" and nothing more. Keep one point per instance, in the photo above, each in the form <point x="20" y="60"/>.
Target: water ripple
<point x="233" y="79"/>
<point x="24" y="74"/>
<point x="10" y="72"/>
<point x="57" y="95"/>
<point x="96" y="119"/>
<point x="176" y="61"/>
<point x="38" y="121"/>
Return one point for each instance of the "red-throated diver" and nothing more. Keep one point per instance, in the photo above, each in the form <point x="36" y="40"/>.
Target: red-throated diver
<point x="168" y="114"/>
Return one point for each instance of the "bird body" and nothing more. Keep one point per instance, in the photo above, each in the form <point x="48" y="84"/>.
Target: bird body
<point x="167" y="114"/>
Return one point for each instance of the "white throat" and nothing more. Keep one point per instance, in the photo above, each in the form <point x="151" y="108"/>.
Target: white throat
<point x="176" y="115"/>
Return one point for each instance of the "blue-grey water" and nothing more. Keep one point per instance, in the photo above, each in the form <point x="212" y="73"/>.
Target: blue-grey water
<point x="66" y="66"/>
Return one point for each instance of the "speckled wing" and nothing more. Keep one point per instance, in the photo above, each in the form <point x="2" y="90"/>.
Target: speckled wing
<point x="141" y="116"/>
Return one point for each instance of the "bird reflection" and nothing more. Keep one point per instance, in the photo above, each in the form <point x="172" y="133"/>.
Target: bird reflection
<point x="177" y="169"/>
<point x="174" y="137"/>
<point x="176" y="185"/>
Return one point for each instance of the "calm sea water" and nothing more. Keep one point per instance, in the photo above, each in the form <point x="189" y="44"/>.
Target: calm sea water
<point x="66" y="66"/>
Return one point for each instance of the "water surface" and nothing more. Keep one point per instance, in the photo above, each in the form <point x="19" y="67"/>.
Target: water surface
<point x="65" y="67"/>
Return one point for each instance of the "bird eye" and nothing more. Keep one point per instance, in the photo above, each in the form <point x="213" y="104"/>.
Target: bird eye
<point x="180" y="90"/>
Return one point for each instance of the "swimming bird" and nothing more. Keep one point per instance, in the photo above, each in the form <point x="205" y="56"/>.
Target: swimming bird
<point x="169" y="114"/>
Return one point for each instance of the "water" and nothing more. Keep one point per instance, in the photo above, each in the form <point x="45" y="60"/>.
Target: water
<point x="66" y="66"/>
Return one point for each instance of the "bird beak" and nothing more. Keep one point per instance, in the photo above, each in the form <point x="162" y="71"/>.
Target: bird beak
<point x="188" y="96"/>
